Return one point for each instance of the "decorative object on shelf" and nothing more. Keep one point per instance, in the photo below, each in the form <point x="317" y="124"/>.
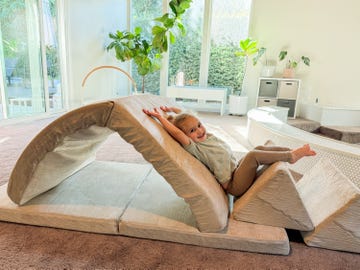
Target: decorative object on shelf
<point x="281" y="92"/>
<point x="289" y="71"/>
<point x="147" y="54"/>
<point x="268" y="71"/>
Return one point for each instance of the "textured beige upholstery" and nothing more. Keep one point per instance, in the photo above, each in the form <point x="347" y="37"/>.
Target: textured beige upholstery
<point x="134" y="200"/>
<point x="274" y="200"/>
<point x="58" y="151"/>
<point x="333" y="203"/>
<point x="91" y="200"/>
<point x="189" y="177"/>
<point x="170" y="219"/>
<point x="70" y="143"/>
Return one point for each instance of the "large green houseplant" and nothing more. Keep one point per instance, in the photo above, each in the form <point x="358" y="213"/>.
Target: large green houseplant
<point x="249" y="47"/>
<point x="145" y="53"/>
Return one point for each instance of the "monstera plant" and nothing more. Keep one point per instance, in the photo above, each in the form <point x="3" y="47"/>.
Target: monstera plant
<point x="147" y="53"/>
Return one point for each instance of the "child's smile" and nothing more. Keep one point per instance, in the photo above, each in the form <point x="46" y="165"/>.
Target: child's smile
<point x="193" y="128"/>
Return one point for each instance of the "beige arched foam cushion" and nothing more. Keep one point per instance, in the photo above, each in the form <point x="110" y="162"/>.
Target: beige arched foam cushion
<point x="189" y="177"/>
<point x="59" y="150"/>
<point x="44" y="164"/>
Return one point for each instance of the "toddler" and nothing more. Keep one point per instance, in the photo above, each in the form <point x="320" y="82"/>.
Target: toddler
<point x="235" y="176"/>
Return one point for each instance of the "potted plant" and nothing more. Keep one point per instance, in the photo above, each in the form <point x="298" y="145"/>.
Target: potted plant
<point x="289" y="71"/>
<point x="248" y="47"/>
<point x="147" y="54"/>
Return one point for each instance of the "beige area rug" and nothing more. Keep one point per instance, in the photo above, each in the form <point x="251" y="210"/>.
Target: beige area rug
<point x="31" y="247"/>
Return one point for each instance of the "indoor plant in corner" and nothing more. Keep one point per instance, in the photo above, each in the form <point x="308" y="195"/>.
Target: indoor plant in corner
<point x="147" y="54"/>
<point x="289" y="71"/>
<point x="237" y="100"/>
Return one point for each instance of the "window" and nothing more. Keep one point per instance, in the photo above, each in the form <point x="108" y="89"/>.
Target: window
<point x="185" y="54"/>
<point x="30" y="77"/>
<point x="205" y="56"/>
<point x="230" y="23"/>
<point x="143" y="13"/>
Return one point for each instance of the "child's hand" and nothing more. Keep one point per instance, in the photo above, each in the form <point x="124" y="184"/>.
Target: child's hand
<point x="170" y="109"/>
<point x="154" y="113"/>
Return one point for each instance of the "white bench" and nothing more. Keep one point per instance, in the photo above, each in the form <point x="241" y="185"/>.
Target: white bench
<point x="201" y="94"/>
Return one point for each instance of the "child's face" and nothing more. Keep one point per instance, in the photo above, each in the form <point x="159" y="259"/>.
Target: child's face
<point x="193" y="128"/>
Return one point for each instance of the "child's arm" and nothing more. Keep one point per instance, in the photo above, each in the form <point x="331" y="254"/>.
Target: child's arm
<point x="174" y="131"/>
<point x="170" y="109"/>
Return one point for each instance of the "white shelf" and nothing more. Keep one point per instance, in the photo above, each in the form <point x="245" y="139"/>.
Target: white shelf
<point x="282" y="92"/>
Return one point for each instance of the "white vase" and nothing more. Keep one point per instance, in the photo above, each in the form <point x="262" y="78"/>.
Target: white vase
<point x="267" y="71"/>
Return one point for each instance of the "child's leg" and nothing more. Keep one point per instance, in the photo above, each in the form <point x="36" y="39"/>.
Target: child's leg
<point x="272" y="148"/>
<point x="244" y="174"/>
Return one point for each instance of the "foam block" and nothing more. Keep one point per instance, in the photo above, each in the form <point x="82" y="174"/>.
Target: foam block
<point x="333" y="203"/>
<point x="62" y="148"/>
<point x="273" y="200"/>
<point x="92" y="200"/>
<point x="170" y="219"/>
<point x="189" y="178"/>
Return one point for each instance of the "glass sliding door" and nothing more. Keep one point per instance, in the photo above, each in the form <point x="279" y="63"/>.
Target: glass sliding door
<point x="143" y="13"/>
<point x="229" y="25"/>
<point x="30" y="69"/>
<point x="51" y="51"/>
<point x="185" y="54"/>
<point x="206" y="55"/>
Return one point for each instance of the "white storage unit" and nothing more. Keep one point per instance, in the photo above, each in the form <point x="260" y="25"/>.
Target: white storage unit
<point x="282" y="92"/>
<point x="266" y="102"/>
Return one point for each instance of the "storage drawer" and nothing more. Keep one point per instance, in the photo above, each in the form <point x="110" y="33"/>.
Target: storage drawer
<point x="266" y="102"/>
<point x="268" y="88"/>
<point x="288" y="89"/>
<point x="288" y="104"/>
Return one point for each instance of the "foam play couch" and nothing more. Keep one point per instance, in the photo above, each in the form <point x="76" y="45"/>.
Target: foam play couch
<point x="57" y="182"/>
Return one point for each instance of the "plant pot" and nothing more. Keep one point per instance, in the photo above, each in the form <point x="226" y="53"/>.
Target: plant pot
<point x="267" y="71"/>
<point x="289" y="73"/>
<point x="238" y="105"/>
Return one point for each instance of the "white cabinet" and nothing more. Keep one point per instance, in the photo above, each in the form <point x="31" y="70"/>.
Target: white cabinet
<point x="282" y="92"/>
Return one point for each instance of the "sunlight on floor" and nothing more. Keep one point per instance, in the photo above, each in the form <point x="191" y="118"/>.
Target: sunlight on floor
<point x="2" y="140"/>
<point x="241" y="130"/>
<point x="224" y="135"/>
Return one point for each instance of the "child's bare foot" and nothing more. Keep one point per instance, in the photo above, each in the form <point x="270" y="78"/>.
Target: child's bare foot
<point x="301" y="152"/>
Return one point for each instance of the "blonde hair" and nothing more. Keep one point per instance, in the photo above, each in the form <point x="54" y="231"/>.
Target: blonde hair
<point x="179" y="119"/>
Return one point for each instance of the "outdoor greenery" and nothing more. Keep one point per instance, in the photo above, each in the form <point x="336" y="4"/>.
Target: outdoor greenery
<point x="15" y="49"/>
<point x="225" y="70"/>
<point x="145" y="53"/>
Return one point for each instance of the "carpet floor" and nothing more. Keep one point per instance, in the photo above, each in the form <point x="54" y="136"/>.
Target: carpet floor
<point x="31" y="247"/>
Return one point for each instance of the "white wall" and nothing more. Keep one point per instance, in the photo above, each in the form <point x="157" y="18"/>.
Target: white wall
<point x="327" y="32"/>
<point x="88" y="23"/>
